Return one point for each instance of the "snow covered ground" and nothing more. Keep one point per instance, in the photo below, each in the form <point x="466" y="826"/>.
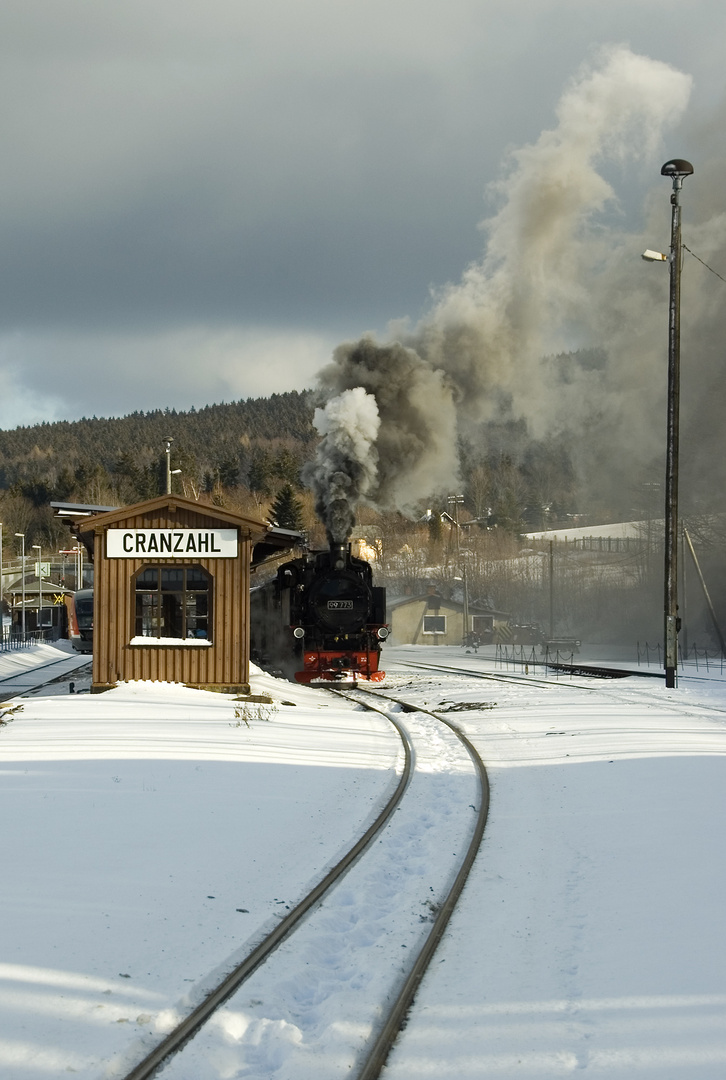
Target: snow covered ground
<point x="154" y="832"/>
<point x="591" y="935"/>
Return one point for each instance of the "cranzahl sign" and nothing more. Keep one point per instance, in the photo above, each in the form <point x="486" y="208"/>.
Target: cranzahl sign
<point x="171" y="543"/>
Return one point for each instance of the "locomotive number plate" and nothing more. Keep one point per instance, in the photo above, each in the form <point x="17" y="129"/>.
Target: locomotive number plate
<point x="340" y="605"/>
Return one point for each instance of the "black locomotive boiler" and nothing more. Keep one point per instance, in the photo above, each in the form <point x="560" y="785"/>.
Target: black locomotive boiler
<point x="320" y="618"/>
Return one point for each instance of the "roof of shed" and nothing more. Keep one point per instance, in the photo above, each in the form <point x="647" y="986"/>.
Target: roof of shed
<point x="265" y="538"/>
<point x="475" y="606"/>
<point x="172" y="503"/>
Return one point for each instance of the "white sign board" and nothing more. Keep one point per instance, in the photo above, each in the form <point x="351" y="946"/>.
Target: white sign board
<point x="171" y="543"/>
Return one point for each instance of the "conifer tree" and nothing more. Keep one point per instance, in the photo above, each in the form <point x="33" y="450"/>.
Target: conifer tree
<point x="286" y="510"/>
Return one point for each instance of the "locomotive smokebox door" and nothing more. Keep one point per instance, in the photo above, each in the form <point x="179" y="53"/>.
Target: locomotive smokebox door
<point x="340" y="602"/>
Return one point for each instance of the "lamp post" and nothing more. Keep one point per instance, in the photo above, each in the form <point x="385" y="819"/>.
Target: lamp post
<point x="78" y="552"/>
<point x="22" y="536"/>
<point x="677" y="169"/>
<point x="455" y="501"/>
<point x="168" y="441"/>
<point x="40" y="589"/>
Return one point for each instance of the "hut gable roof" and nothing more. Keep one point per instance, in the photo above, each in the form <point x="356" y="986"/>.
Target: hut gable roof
<point x="172" y="504"/>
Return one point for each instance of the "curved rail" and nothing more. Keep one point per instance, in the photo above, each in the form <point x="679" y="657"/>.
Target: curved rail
<point x="377" y="1055"/>
<point x="198" y="1016"/>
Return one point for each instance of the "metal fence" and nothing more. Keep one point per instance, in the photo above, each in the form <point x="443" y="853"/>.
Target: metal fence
<point x="700" y="659"/>
<point x="616" y="544"/>
<point x="11" y="640"/>
<point x="524" y="658"/>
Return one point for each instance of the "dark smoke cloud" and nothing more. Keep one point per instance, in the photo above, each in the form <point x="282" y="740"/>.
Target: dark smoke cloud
<point x="386" y="432"/>
<point x="417" y="416"/>
<point x="557" y="275"/>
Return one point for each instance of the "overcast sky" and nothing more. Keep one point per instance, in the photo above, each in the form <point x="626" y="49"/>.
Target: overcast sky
<point x="200" y="200"/>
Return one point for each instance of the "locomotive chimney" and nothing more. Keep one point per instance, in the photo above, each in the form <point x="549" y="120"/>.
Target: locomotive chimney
<point x="338" y="555"/>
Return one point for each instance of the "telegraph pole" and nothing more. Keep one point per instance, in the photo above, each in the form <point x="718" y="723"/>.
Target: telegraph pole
<point x="677" y="170"/>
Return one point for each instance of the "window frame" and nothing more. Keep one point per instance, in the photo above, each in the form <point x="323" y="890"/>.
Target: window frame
<point x="165" y="605"/>
<point x="435" y="618"/>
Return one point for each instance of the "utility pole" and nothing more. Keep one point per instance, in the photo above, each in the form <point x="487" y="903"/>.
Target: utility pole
<point x="455" y="501"/>
<point x="552" y="589"/>
<point x="677" y="170"/>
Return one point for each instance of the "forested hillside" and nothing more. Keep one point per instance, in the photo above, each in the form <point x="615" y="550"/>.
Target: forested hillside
<point x="246" y="450"/>
<point x="241" y="442"/>
<point x="248" y="455"/>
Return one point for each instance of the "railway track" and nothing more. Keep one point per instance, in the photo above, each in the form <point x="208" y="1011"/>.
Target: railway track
<point x="391" y="895"/>
<point x="492" y="676"/>
<point x="599" y="687"/>
<point x="24" y="682"/>
<point x="379" y="1052"/>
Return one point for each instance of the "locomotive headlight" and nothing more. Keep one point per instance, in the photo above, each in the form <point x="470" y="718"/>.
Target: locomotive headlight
<point x="382" y="633"/>
<point x="298" y="632"/>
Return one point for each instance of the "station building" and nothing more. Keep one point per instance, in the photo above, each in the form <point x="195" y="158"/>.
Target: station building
<point x="38" y="604"/>
<point x="171" y="592"/>
<point x="432" y="619"/>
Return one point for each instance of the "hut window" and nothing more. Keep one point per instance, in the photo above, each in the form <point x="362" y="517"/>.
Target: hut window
<point x="434" y="624"/>
<point x="173" y="602"/>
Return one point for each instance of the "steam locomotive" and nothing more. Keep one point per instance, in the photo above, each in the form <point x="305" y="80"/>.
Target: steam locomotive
<point x="320" y="618"/>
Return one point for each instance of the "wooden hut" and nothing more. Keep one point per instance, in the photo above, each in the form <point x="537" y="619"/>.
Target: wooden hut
<point x="171" y="593"/>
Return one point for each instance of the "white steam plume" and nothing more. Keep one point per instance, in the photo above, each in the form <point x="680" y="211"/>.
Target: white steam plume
<point x="553" y="278"/>
<point x="538" y="281"/>
<point x="345" y="465"/>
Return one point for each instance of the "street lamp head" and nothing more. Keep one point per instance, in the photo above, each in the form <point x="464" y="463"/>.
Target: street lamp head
<point x="21" y="534"/>
<point x="677" y="168"/>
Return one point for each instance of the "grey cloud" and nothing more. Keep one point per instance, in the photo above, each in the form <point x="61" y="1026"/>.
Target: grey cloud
<point x="312" y="167"/>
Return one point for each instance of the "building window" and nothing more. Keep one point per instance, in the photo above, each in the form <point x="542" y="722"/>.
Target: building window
<point x="434" y="624"/>
<point x="84" y="609"/>
<point x="173" y="602"/>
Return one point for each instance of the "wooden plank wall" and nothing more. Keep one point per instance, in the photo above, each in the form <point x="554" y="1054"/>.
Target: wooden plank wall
<point x="224" y="663"/>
